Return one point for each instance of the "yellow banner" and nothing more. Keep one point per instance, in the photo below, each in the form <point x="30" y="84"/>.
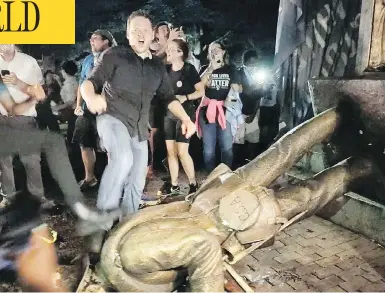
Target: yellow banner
<point x="37" y="22"/>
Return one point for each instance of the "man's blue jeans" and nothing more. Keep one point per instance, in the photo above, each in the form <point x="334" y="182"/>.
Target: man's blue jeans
<point x="211" y="133"/>
<point x="127" y="166"/>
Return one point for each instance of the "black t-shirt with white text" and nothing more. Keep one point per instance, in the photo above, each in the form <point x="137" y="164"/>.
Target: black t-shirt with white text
<point x="220" y="82"/>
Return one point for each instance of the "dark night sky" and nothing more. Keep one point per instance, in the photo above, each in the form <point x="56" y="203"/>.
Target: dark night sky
<point x="255" y="19"/>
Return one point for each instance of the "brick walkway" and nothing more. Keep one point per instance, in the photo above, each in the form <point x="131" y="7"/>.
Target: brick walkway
<point x="316" y="255"/>
<point x="313" y="255"/>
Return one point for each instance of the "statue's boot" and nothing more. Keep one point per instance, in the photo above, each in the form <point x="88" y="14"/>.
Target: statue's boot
<point x="283" y="154"/>
<point x="312" y="195"/>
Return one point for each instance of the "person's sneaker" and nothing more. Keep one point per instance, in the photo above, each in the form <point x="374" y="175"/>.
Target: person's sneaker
<point x="6" y="199"/>
<point x="174" y="190"/>
<point x="47" y="204"/>
<point x="149" y="200"/>
<point x="164" y="189"/>
<point x="94" y="242"/>
<point x="4" y="202"/>
<point x="85" y="185"/>
<point x="168" y="189"/>
<point x="193" y="188"/>
<point x="92" y="221"/>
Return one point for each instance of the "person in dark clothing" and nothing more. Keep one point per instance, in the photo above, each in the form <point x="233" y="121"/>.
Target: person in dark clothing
<point x="246" y="142"/>
<point x="270" y="112"/>
<point x="164" y="34"/>
<point x="187" y="87"/>
<point x="129" y="77"/>
<point x="85" y="133"/>
<point x="45" y="117"/>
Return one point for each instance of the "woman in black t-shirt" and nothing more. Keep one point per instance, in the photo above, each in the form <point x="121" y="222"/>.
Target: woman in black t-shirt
<point x="187" y="88"/>
<point x="219" y="78"/>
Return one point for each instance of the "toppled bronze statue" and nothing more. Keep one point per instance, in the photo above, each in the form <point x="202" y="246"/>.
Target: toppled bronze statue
<point x="233" y="213"/>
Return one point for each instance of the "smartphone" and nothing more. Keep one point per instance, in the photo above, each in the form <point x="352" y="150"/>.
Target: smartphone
<point x="5" y="72"/>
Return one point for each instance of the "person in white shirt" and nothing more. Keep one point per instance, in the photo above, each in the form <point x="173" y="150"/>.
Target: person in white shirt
<point x="18" y="72"/>
<point x="69" y="89"/>
<point x="68" y="95"/>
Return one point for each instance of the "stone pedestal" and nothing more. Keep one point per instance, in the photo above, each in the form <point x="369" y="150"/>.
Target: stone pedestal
<point x="362" y="133"/>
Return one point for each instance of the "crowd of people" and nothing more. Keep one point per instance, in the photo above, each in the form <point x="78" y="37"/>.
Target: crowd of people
<point x="124" y="97"/>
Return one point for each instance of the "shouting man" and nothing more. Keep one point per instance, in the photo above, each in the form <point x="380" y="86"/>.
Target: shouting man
<point x="128" y="78"/>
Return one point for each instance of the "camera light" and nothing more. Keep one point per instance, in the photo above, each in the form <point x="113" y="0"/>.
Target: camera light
<point x="260" y="76"/>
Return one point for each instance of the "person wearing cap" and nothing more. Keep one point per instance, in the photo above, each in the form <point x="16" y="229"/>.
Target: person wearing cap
<point x="85" y="133"/>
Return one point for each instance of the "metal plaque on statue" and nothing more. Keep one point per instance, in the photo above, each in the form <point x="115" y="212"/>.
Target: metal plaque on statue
<point x="239" y="210"/>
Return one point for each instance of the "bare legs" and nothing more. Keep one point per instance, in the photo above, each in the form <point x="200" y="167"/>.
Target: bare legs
<point x="177" y="151"/>
<point x="186" y="160"/>
<point x="89" y="159"/>
<point x="152" y="145"/>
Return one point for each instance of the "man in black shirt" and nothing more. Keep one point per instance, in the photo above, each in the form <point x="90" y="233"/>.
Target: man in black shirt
<point x="245" y="147"/>
<point x="129" y="78"/>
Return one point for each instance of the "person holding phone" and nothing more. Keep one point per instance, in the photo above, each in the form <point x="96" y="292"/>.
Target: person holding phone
<point x="19" y="72"/>
<point x="212" y="119"/>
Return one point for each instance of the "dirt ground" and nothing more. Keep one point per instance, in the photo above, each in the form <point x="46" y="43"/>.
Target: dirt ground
<point x="68" y="246"/>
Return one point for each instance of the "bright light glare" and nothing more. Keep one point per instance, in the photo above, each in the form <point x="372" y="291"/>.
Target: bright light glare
<point x="260" y="76"/>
